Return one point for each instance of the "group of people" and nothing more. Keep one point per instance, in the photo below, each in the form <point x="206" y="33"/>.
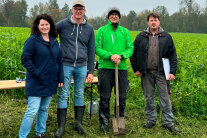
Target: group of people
<point x="49" y="67"/>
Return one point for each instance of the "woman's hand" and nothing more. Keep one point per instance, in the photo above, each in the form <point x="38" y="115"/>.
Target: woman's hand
<point x="60" y="84"/>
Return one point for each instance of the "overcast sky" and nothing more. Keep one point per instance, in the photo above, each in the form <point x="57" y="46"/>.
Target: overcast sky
<point x="98" y="7"/>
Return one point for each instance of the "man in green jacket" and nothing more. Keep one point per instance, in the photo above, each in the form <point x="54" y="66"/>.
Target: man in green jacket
<point x="113" y="45"/>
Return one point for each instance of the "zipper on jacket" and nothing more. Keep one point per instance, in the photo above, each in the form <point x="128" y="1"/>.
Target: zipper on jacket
<point x="112" y="38"/>
<point x="76" y="45"/>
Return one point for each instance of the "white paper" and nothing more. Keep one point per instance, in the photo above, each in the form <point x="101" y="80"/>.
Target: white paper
<point x="166" y="66"/>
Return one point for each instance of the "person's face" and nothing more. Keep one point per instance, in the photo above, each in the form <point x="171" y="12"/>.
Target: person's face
<point x="153" y="23"/>
<point x="78" y="12"/>
<point x="114" y="18"/>
<point x="44" y="27"/>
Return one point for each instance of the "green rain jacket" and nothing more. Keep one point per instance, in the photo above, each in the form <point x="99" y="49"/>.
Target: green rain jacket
<point x="109" y="42"/>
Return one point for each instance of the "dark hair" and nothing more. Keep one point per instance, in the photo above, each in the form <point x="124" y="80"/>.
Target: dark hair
<point x="48" y="18"/>
<point x="154" y="15"/>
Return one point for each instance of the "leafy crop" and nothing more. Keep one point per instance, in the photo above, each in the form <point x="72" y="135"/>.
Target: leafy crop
<point x="189" y="92"/>
<point x="11" y="44"/>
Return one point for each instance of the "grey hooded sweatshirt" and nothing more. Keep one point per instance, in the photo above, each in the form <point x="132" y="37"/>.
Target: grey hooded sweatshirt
<point x="77" y="43"/>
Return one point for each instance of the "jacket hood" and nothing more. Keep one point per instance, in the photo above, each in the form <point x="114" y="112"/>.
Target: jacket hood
<point x="147" y="30"/>
<point x="70" y="19"/>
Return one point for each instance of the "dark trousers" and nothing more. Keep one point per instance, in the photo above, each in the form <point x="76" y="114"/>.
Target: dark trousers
<point x="149" y="80"/>
<point x="106" y="79"/>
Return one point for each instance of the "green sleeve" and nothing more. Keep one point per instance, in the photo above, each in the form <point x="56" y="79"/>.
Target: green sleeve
<point x="99" y="46"/>
<point x="127" y="53"/>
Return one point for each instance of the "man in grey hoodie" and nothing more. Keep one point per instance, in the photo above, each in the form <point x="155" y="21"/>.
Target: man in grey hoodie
<point x="77" y="45"/>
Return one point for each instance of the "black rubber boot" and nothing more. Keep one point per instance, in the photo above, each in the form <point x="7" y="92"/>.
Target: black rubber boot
<point x="79" y="112"/>
<point x="61" y="118"/>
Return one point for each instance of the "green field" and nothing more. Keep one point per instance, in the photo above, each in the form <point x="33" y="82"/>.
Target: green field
<point x="189" y="92"/>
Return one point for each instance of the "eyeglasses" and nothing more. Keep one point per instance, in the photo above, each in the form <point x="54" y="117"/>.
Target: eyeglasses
<point x="78" y="9"/>
<point x="114" y="14"/>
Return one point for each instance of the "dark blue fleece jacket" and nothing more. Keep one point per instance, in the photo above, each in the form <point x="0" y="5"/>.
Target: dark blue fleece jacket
<point x="44" y="66"/>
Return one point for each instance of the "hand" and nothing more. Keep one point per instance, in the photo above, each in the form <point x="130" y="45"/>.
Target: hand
<point x="117" y="62"/>
<point x="116" y="59"/>
<point x="60" y="84"/>
<point x="138" y="74"/>
<point x="90" y="78"/>
<point x="171" y="77"/>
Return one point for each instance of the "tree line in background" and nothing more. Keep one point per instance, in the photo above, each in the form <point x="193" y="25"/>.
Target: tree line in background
<point x="190" y="17"/>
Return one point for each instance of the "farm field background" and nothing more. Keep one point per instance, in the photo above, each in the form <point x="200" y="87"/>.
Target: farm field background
<point x="189" y="92"/>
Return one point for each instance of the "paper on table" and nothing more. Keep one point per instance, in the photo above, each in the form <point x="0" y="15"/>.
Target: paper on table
<point x="166" y="66"/>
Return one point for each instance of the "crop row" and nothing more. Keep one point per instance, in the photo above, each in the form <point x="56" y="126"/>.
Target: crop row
<point x="189" y="92"/>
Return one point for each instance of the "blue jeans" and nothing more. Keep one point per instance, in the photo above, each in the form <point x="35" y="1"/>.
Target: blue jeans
<point x="79" y="76"/>
<point x="35" y="104"/>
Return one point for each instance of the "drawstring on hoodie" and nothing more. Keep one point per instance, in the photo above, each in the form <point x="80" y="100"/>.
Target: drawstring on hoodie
<point x="81" y="29"/>
<point x="73" y="29"/>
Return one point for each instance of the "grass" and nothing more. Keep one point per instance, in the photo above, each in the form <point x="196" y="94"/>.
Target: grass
<point x="12" y="113"/>
<point x="189" y="92"/>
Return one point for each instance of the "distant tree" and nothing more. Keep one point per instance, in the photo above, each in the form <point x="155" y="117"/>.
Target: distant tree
<point x="3" y="20"/>
<point x="20" y="18"/>
<point x="203" y="20"/>
<point x="123" y="21"/>
<point x="8" y="11"/>
<point x="131" y="17"/>
<point x="38" y="9"/>
<point x="54" y="10"/>
<point x="97" y="22"/>
<point x="187" y="4"/>
<point x="56" y="14"/>
<point x="66" y="10"/>
<point x="206" y="8"/>
<point x="192" y="11"/>
<point x="164" y="16"/>
<point x="43" y="8"/>
<point x="142" y="19"/>
<point x="2" y="17"/>
<point x="177" y="22"/>
<point x="53" y="4"/>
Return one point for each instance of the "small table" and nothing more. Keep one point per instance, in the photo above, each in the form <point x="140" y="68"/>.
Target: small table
<point x="12" y="84"/>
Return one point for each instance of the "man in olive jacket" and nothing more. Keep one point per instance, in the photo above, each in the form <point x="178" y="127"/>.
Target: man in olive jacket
<point x="150" y="46"/>
<point x="113" y="45"/>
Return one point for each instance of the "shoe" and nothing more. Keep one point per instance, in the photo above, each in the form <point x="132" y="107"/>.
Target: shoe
<point x="172" y="128"/>
<point x="149" y="125"/>
<point x="41" y="136"/>
<point x="79" y="113"/>
<point x="104" y="128"/>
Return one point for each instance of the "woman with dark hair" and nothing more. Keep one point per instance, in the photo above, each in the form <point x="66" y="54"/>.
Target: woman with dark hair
<point x="42" y="59"/>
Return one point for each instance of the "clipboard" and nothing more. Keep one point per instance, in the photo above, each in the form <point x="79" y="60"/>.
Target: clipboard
<point x="166" y="66"/>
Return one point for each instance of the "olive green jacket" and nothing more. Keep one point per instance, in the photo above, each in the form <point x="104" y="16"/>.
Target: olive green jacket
<point x="109" y="42"/>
